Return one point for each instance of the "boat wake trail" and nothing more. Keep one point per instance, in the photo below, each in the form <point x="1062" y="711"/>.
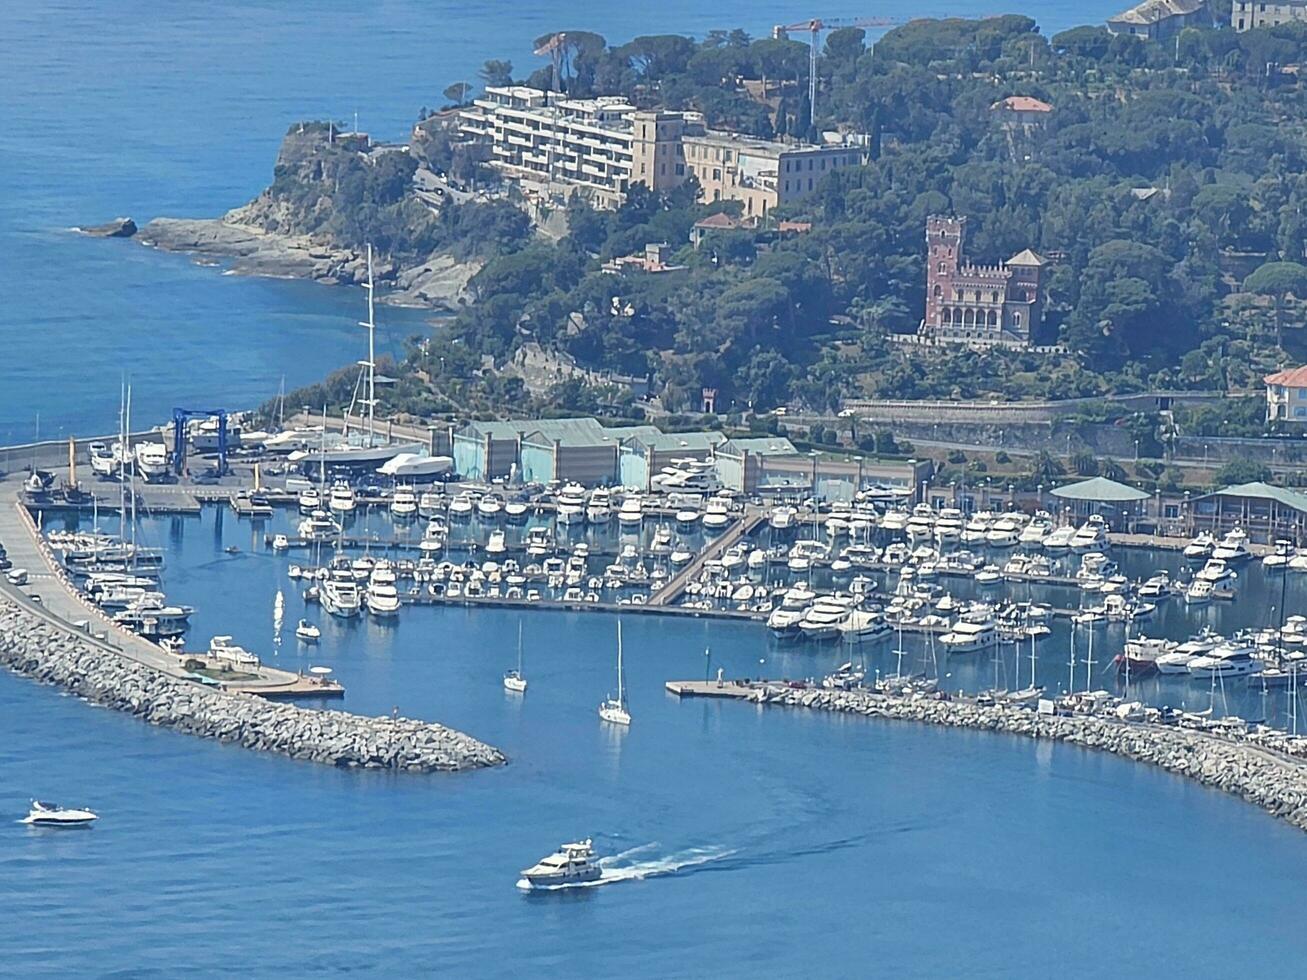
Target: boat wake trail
<point x="621" y="867"/>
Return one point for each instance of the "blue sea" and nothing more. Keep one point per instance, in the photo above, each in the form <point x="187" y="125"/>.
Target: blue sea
<point x="750" y="842"/>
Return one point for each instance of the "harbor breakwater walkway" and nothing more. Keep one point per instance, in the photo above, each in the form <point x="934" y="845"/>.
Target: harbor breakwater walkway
<point x="1264" y="767"/>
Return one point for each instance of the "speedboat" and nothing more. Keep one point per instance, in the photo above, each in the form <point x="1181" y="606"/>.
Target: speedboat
<point x="1233" y="547"/>
<point x="280" y="542"/>
<point x="307" y="632"/>
<point x="53" y="815"/>
<point x="571" y="864"/>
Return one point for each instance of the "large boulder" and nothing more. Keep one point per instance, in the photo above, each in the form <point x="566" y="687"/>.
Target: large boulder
<point x="117" y="228"/>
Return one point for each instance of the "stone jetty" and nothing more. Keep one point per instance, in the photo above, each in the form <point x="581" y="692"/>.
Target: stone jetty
<point x="1264" y="767"/>
<point x="47" y="650"/>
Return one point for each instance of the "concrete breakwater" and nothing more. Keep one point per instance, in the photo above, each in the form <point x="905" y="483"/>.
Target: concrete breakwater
<point x="42" y="649"/>
<point x="1269" y="773"/>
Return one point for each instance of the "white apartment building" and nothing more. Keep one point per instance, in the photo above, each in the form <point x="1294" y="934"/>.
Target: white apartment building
<point x="606" y="145"/>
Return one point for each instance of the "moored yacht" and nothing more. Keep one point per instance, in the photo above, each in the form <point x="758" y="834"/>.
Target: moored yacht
<point x="948" y="527"/>
<point x="1200" y="548"/>
<point x="631" y="513"/>
<point x="1177" y="661"/>
<point x="782" y="517"/>
<point x="599" y="509"/>
<point x="1233" y="547"/>
<point x="1233" y="659"/>
<point x="977" y="528"/>
<point x="1037" y="530"/>
<point x="1091" y="535"/>
<point x="569" y="504"/>
<point x="341" y="499"/>
<point x="339" y="594"/>
<point x="970" y="636"/>
<point x="921" y="525"/>
<point x="318" y="526"/>
<point x="309" y="500"/>
<point x="461" y="507"/>
<point x="1059" y="539"/>
<point x="404" y="504"/>
<point x="717" y="513"/>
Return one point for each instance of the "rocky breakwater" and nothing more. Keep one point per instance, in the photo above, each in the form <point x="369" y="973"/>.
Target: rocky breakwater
<point x="44" y="650"/>
<point x="1265" y="769"/>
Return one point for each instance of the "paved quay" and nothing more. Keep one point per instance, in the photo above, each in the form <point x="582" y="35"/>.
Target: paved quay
<point x="1265" y="767"/>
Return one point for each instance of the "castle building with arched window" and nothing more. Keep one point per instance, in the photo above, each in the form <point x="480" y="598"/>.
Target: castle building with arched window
<point x="979" y="304"/>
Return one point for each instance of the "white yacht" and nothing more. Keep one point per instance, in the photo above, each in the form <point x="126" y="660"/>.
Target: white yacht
<point x="309" y="500"/>
<point x="976" y="530"/>
<point x="495" y="544"/>
<point x="1059" y="539"/>
<point x="862" y="624"/>
<point x="1199" y="592"/>
<point x="341" y="499"/>
<point x="1004" y="532"/>
<point x="823" y="618"/>
<point x="948" y="527"/>
<point x="1037" y="530"/>
<point x="151" y="617"/>
<point x="515" y="511"/>
<point x="570" y="503"/>
<point x="1200" y="548"/>
<point x="151" y="459"/>
<point x="784" y="623"/>
<point x="222" y="648"/>
<point x="104" y="461"/>
<point x="339" y="594"/>
<point x="599" y="509"/>
<point x="717" y="513"/>
<point x="1216" y="571"/>
<point x="1177" y="660"/>
<point x="1233" y="547"/>
<point x="571" y="864"/>
<point x="1157" y="587"/>
<point x="895" y="520"/>
<point x="921" y="525"/>
<point x="307" y="632"/>
<point x="1091" y="535"/>
<point x="419" y="466"/>
<point x="318" y="526"/>
<point x="631" y="513"/>
<point x="382" y="594"/>
<point x="782" y="518"/>
<point x="430" y="503"/>
<point x="1232" y="659"/>
<point x="687" y="475"/>
<point x="54" y="815"/>
<point x="1278" y="561"/>
<point x="970" y="636"/>
<point x="615" y="710"/>
<point x="404" y="504"/>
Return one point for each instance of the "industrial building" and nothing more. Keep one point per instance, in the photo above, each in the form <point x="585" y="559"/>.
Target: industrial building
<point x="1266" y="512"/>
<point x="494" y="450"/>
<point x="643" y="456"/>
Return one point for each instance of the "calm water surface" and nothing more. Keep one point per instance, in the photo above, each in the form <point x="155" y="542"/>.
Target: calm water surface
<point x="757" y="843"/>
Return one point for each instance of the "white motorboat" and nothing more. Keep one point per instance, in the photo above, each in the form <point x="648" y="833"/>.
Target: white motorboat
<point x="782" y="518"/>
<point x="1177" y="661"/>
<point x="976" y="530"/>
<point x="1034" y="533"/>
<point x="784" y="623"/>
<point x="309" y="500"/>
<point x="1004" y="532"/>
<point x="1279" y="560"/>
<point x="339" y="594"/>
<point x="599" y="508"/>
<point x="863" y="624"/>
<point x="430" y="503"/>
<point x="280" y="542"/>
<point x="104" y="461"/>
<point x="420" y="466"/>
<point x="1200" y="548"/>
<point x="151" y="617"/>
<point x="1157" y="587"/>
<point x="342" y="499"/>
<point x="1233" y="547"/>
<point x="307" y="632"/>
<point x="151" y="459"/>
<point x="461" y="507"/>
<point x="1059" y="539"/>
<point x="569" y="504"/>
<point x="53" y="815"/>
<point x="490" y="506"/>
<point x="921" y="525"/>
<point x="681" y="555"/>
<point x="222" y="648"/>
<point x="404" y="504"/>
<point x="319" y="526"/>
<point x="823" y="618"/>
<point x="1216" y="571"/>
<point x="1091" y="535"/>
<point x="615" y="710"/>
<point x="948" y="527"/>
<point x="495" y="544"/>
<point x="571" y="864"/>
<point x="1233" y="659"/>
<point x="1199" y="592"/>
<point x="515" y="511"/>
<point x="716" y="514"/>
<point x="631" y="513"/>
<point x="382" y="595"/>
<point x="970" y="636"/>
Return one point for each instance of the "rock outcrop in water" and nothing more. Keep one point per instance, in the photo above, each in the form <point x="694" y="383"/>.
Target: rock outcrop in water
<point x="32" y="645"/>
<point x="1272" y="775"/>
<point x="117" y="228"/>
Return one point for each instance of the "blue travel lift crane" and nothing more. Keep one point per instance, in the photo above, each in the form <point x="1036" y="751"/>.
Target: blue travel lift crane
<point x="180" y="416"/>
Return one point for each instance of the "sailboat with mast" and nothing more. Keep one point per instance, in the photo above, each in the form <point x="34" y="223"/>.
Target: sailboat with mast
<point x="369" y="451"/>
<point x="614" y="710"/>
<point x="513" y="679"/>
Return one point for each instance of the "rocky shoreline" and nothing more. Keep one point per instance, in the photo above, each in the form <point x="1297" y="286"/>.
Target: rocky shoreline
<point x="1269" y="774"/>
<point x="39" y="648"/>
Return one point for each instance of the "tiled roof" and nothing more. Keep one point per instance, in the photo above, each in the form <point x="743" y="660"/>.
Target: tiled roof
<point x="1023" y="103"/>
<point x="1290" y="378"/>
<point x="1152" y="11"/>
<point x="1027" y="257"/>
<point x="719" y="220"/>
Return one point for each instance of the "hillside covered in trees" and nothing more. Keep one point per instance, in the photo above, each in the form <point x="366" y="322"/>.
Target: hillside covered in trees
<point x="1167" y="183"/>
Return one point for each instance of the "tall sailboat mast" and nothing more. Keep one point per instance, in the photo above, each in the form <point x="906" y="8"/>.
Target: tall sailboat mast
<point x="371" y="362"/>
<point x="621" y="694"/>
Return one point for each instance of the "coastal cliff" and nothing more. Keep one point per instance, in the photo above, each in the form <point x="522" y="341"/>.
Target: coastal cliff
<point x="330" y="196"/>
